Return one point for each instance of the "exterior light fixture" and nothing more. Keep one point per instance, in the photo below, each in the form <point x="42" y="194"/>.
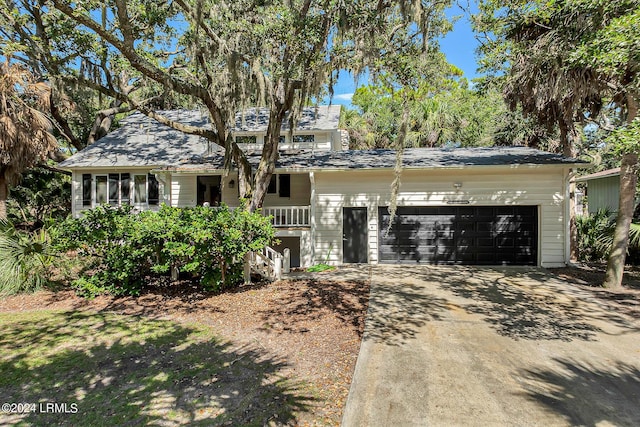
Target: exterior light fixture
<point x="457" y="185"/>
<point x="232" y="183"/>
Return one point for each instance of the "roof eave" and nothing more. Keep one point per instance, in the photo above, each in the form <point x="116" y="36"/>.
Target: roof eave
<point x="170" y="169"/>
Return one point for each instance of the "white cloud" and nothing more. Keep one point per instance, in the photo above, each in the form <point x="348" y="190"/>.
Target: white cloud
<point x="343" y="96"/>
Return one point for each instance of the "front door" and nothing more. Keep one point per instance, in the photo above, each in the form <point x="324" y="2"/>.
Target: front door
<point x="354" y="236"/>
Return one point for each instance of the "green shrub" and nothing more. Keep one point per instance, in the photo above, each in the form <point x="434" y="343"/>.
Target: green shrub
<point x="42" y="196"/>
<point x="207" y="243"/>
<point x="595" y="235"/>
<point x="25" y="259"/>
<point x="108" y="236"/>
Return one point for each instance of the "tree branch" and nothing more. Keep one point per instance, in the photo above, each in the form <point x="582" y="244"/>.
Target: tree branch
<point x="136" y="60"/>
<point x="188" y="129"/>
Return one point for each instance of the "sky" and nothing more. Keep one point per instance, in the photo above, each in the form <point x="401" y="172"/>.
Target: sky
<point x="459" y="46"/>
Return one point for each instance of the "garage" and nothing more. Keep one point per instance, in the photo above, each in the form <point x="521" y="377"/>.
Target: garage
<point x="471" y="235"/>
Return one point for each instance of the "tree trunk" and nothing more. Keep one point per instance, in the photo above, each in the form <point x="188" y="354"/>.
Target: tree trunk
<point x="618" y="255"/>
<point x="628" y="183"/>
<point x="268" y="158"/>
<point x="568" y="138"/>
<point x="4" y="195"/>
<point x="244" y="170"/>
<point x="573" y="228"/>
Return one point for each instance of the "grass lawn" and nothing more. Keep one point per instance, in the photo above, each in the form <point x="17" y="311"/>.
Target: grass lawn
<point x="130" y="370"/>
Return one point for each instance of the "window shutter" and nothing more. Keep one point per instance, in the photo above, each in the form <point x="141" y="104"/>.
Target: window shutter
<point x="285" y="185"/>
<point x="86" y="189"/>
<point x="154" y="193"/>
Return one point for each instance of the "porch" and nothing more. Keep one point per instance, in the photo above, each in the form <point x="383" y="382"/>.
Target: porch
<point x="289" y="216"/>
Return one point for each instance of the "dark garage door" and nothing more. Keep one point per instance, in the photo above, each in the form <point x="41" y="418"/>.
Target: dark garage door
<point x="485" y="235"/>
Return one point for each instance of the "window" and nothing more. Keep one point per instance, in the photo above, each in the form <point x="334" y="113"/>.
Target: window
<point x="280" y="184"/>
<point x="101" y="189"/>
<point x="139" y="189"/>
<point x="285" y="185"/>
<point x="303" y="138"/>
<point x="272" y="185"/>
<point x="125" y="181"/>
<point x="118" y="189"/>
<point x="114" y="189"/>
<point x="246" y="139"/>
<point x="282" y="139"/>
<point x="86" y="189"/>
<point x="154" y="193"/>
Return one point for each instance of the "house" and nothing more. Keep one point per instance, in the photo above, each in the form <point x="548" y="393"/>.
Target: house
<point x="482" y="206"/>
<point x="602" y="190"/>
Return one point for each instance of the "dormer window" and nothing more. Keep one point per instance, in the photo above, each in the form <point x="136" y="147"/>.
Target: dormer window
<point x="303" y="138"/>
<point x="246" y="139"/>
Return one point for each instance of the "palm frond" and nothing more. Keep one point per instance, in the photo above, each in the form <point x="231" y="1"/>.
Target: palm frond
<point x="634" y="235"/>
<point x="25" y="259"/>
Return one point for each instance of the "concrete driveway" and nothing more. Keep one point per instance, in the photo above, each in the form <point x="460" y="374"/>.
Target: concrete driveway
<point x="461" y="346"/>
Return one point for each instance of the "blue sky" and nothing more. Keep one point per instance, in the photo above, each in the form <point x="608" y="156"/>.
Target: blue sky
<point x="459" y="45"/>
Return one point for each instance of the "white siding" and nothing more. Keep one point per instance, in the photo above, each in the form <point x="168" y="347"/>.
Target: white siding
<point x="183" y="190"/>
<point x="230" y="195"/>
<point x="543" y="187"/>
<point x="300" y="193"/>
<point x="603" y="193"/>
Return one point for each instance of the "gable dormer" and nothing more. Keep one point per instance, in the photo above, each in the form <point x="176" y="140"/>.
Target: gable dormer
<point x="317" y="130"/>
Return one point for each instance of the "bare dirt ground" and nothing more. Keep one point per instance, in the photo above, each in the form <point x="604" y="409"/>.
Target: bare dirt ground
<point x="315" y="325"/>
<point x="593" y="274"/>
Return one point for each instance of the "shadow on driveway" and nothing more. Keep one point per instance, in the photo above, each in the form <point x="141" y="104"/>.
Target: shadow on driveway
<point x="587" y="395"/>
<point x="396" y="313"/>
<point x="521" y="303"/>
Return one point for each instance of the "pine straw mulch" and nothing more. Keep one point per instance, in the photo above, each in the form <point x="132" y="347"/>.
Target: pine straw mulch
<point x="315" y="325"/>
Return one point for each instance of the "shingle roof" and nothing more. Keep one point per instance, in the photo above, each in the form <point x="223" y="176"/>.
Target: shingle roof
<point x="602" y="174"/>
<point x="324" y="117"/>
<point x="412" y="158"/>
<point x="142" y="141"/>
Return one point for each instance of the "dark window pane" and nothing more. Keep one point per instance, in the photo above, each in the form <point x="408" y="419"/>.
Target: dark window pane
<point x="101" y="189"/>
<point x="154" y="194"/>
<point x="272" y="185"/>
<point x="125" y="180"/>
<point x="86" y="189"/>
<point x="303" y="138"/>
<point x="246" y="139"/>
<point x="140" y="189"/>
<point x="285" y="185"/>
<point x="113" y="188"/>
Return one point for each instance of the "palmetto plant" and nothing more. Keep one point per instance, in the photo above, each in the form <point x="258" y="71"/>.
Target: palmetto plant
<point x="25" y="259"/>
<point x="595" y="235"/>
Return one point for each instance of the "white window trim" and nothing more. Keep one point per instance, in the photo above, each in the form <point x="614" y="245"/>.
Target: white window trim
<point x="121" y="201"/>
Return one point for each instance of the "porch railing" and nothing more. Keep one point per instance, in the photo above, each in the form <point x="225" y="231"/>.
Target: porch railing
<point x="268" y="263"/>
<point x="289" y="216"/>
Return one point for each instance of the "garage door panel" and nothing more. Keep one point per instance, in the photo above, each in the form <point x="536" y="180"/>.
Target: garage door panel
<point x="484" y="235"/>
